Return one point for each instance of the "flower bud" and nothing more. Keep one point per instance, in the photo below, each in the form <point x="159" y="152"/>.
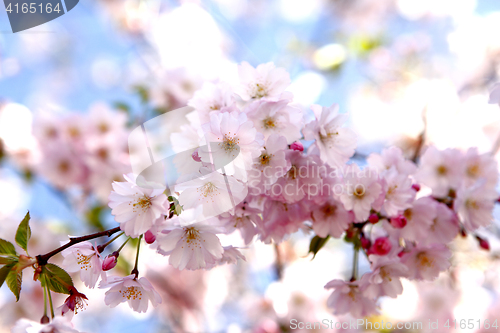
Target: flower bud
<point x="149" y="237"/>
<point x="195" y="156"/>
<point x="365" y="243"/>
<point x="373" y="219"/>
<point x="416" y="187"/>
<point x="44" y="320"/>
<point x="398" y="222"/>
<point x="381" y="246"/>
<point x="110" y="261"/>
<point x="297" y="145"/>
<point x="483" y="243"/>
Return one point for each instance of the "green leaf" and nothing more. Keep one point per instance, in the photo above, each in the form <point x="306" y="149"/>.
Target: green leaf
<point x="14" y="281"/>
<point x="4" y="271"/>
<point x="7" y="259"/>
<point x="57" y="279"/>
<point x="316" y="244"/>
<point x="23" y="233"/>
<point x="7" y="247"/>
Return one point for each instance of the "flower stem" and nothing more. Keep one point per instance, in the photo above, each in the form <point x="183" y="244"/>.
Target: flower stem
<point x="135" y="270"/>
<point x="355" y="259"/>
<point x="43" y="259"/>
<point x="121" y="247"/>
<point x="50" y="302"/>
<point x="101" y="248"/>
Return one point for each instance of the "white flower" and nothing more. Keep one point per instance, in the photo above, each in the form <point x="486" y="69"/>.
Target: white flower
<point x="361" y="191"/>
<point x="265" y="81"/>
<point x="475" y="205"/>
<point x="384" y="280"/>
<point x="419" y="218"/>
<point x="58" y="325"/>
<point x="276" y="117"/>
<point x="399" y="194"/>
<point x="426" y="262"/>
<point x="134" y="207"/>
<point x="334" y="144"/>
<point x="191" y="247"/>
<point x="441" y="170"/>
<point x="230" y="256"/>
<point x="480" y="166"/>
<point x="212" y="194"/>
<point x="83" y="258"/>
<point x="348" y="297"/>
<point x="136" y="292"/>
<point x="231" y="137"/>
<point x="391" y="157"/>
<point x="212" y="97"/>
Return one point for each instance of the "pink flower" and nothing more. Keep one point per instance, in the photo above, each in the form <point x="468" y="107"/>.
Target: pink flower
<point x="74" y="303"/>
<point x="135" y="207"/>
<point x="441" y="170"/>
<point x="475" y="205"/>
<point x="191" y="247"/>
<point x="230" y="256"/>
<point x="361" y="190"/>
<point x="384" y="280"/>
<point x="276" y="118"/>
<point x="297" y="145"/>
<point x="265" y="81"/>
<point x="399" y="193"/>
<point x="391" y="157"/>
<point x="349" y="297"/>
<point x="280" y="219"/>
<point x="62" y="167"/>
<point x="211" y="97"/>
<point x="419" y="218"/>
<point x="245" y="219"/>
<point x="58" y="325"/>
<point x="231" y="136"/>
<point x="136" y="292"/>
<point x="271" y="164"/>
<point x="444" y="227"/>
<point x="83" y="258"/>
<point x="381" y="246"/>
<point x="479" y="167"/>
<point x="334" y="144"/>
<point x="426" y="262"/>
<point x="330" y="219"/>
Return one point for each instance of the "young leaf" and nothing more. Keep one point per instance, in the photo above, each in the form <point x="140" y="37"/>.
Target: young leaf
<point x="7" y="247"/>
<point x="7" y="259"/>
<point x="23" y="233"/>
<point x="4" y="271"/>
<point x="316" y="244"/>
<point x="14" y="281"/>
<point x="58" y="279"/>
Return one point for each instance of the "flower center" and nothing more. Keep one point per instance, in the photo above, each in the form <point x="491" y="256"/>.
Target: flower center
<point x="144" y="203"/>
<point x="208" y="189"/>
<point x="131" y="293"/>
<point x="441" y="170"/>
<point x="269" y="123"/>
<point x="229" y="143"/>
<point x="359" y="191"/>
<point x="473" y="171"/>
<point x="83" y="261"/>
<point x="265" y="159"/>
<point x="424" y="260"/>
<point x="191" y="234"/>
<point x="260" y="91"/>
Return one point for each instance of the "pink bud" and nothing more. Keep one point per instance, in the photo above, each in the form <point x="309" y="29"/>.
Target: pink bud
<point x="195" y="156"/>
<point x="483" y="243"/>
<point x="416" y="187"/>
<point x="381" y="246"/>
<point x="398" y="222"/>
<point x="109" y="263"/>
<point x="297" y="145"/>
<point x="373" y="218"/>
<point x="365" y="243"/>
<point x="149" y="237"/>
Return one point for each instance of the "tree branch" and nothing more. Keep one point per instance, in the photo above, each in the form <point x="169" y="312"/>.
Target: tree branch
<point x="43" y="259"/>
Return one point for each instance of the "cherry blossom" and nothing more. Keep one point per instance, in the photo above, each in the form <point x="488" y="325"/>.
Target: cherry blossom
<point x="349" y="297"/>
<point x="135" y="207"/>
<point x="83" y="258"/>
<point x="384" y="279"/>
<point x="265" y="81"/>
<point x="426" y="262"/>
<point x="136" y="292"/>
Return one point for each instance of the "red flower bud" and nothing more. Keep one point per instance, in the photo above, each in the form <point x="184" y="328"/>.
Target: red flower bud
<point x="373" y="218"/>
<point x="483" y="243"/>
<point x="297" y="145"/>
<point x="195" y="156"/>
<point x="109" y="262"/>
<point x="416" y="187"/>
<point x="149" y="237"/>
<point x="398" y="222"/>
<point x="365" y="243"/>
<point x="381" y="246"/>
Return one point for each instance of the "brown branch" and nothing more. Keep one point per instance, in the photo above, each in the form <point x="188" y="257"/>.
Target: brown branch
<point x="43" y="259"/>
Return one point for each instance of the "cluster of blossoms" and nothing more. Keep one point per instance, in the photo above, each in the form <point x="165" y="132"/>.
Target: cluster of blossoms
<point x="87" y="150"/>
<point x="255" y="175"/>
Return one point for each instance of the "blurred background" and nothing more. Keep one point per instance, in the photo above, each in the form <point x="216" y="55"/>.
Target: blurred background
<point x="398" y="67"/>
